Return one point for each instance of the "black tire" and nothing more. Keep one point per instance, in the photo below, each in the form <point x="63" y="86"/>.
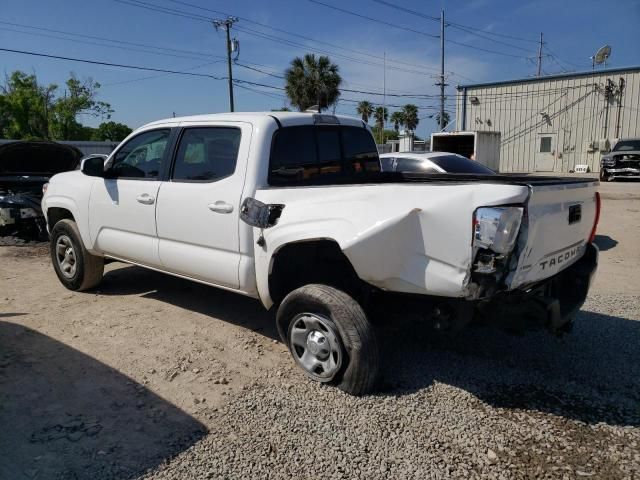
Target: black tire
<point x="88" y="268"/>
<point x="360" y="354"/>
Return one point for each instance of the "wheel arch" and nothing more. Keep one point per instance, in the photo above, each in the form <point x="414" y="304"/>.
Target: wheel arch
<point x="316" y="260"/>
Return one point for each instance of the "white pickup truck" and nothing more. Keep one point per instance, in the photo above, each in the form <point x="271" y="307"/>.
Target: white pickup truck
<point x="292" y="209"/>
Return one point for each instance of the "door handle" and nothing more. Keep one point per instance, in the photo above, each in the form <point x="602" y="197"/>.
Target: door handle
<point x="221" y="207"/>
<point x="145" y="199"/>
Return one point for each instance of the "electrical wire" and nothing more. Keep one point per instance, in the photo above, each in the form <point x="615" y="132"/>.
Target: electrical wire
<point x="109" y="64"/>
<point x="474" y="47"/>
<point x="382" y="22"/>
<point x="102" y="44"/>
<point x="456" y="25"/>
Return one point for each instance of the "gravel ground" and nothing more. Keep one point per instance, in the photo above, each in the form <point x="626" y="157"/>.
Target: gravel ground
<point x="154" y="377"/>
<point x="482" y="405"/>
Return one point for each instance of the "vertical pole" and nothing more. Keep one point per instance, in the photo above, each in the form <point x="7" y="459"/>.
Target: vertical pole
<point x="442" y="124"/>
<point x="540" y="56"/>
<point x="384" y="94"/>
<point x="227" y="28"/>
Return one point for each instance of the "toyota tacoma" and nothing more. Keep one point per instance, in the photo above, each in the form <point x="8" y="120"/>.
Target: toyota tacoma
<point x="292" y="209"/>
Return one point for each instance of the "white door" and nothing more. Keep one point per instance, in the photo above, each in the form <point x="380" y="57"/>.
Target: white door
<point x="546" y="152"/>
<point x="198" y="208"/>
<point x="122" y="221"/>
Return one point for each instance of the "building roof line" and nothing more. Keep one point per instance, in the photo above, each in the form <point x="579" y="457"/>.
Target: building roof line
<point x="607" y="71"/>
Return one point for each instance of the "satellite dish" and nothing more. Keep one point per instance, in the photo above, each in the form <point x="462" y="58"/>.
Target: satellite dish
<point x="601" y="56"/>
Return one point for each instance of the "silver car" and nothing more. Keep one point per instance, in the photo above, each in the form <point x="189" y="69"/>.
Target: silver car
<point x="431" y="162"/>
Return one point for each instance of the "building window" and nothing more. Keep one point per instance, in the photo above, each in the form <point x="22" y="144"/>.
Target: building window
<point x="545" y="144"/>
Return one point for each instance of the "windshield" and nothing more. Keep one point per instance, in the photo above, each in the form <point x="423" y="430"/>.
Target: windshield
<point x="460" y="164"/>
<point x="627" y="145"/>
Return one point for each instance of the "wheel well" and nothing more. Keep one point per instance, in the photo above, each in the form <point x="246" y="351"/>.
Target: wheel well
<point x="317" y="261"/>
<point x="55" y="214"/>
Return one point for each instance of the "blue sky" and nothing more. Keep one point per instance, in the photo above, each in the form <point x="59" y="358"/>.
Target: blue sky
<point x="573" y="30"/>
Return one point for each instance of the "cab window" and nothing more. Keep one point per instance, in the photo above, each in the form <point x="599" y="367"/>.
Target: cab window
<point x="141" y="157"/>
<point x="321" y="154"/>
<point x="207" y="154"/>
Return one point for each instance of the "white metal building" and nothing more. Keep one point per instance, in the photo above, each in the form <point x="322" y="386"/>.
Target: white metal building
<point x="553" y="123"/>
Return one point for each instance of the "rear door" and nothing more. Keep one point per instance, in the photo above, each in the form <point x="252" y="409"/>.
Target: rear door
<point x="122" y="207"/>
<point x="546" y="152"/>
<point x="198" y="207"/>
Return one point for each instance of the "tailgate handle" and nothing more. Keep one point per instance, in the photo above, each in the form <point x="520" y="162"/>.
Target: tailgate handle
<point x="575" y="213"/>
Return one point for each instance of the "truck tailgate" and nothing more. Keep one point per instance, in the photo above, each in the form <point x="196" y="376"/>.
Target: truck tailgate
<point x="558" y="222"/>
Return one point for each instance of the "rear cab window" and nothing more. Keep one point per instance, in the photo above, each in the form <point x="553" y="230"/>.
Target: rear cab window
<point x="321" y="154"/>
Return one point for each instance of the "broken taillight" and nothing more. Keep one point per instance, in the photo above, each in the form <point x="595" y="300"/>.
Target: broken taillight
<point x="597" y="219"/>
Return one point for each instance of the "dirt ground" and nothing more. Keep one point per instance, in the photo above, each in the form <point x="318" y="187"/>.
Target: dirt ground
<point x="115" y="382"/>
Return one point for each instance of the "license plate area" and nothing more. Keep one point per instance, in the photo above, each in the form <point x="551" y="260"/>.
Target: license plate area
<point x="575" y="214"/>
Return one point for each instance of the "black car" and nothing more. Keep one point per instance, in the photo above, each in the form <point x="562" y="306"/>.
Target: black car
<point x="24" y="168"/>
<point x="622" y="162"/>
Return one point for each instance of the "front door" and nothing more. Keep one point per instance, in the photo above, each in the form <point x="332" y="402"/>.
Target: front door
<point x="123" y="204"/>
<point x="546" y="152"/>
<point x="198" y="208"/>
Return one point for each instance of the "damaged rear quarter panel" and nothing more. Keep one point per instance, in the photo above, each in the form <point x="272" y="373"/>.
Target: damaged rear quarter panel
<point x="413" y="238"/>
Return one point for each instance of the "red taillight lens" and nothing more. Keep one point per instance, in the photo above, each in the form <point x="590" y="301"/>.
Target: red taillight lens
<point x="597" y="219"/>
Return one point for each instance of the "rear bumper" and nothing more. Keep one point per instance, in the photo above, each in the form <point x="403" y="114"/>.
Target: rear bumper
<point x="549" y="304"/>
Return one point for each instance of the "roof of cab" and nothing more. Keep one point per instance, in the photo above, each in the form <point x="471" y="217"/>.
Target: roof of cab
<point x="284" y="118"/>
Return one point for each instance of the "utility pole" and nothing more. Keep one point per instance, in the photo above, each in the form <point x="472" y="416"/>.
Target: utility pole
<point x="540" y="56"/>
<point x="226" y="24"/>
<point x="442" y="84"/>
<point x="384" y="94"/>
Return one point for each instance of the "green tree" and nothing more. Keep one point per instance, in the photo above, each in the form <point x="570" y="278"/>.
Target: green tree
<point x="385" y="135"/>
<point x="446" y="117"/>
<point x="111" y="131"/>
<point x="365" y="110"/>
<point x="25" y="107"/>
<point x="398" y="120"/>
<point x="380" y="115"/>
<point x="282" y="109"/>
<point x="410" y="116"/>
<point x="312" y="81"/>
<point x="78" y="99"/>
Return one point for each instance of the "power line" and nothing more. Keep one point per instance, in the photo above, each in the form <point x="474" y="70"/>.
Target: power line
<point x="108" y="64"/>
<point x="304" y="37"/>
<point x="452" y="24"/>
<point x="153" y="7"/>
<point x="132" y="80"/>
<point x="389" y="24"/>
<point x="160" y="70"/>
<point x="474" y="47"/>
<point x="325" y="52"/>
<point x="111" y="40"/>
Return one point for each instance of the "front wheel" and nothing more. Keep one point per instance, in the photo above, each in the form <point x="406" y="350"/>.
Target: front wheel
<point x="330" y="338"/>
<point x="76" y="268"/>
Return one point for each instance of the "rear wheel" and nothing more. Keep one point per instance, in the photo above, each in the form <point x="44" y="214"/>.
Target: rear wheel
<point x="330" y="337"/>
<point x="76" y="268"/>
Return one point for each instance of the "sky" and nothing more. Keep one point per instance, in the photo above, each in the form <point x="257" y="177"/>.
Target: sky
<point x="486" y="40"/>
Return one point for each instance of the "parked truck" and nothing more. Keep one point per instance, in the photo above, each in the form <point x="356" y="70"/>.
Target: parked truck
<point x="292" y="209"/>
<point x="483" y="147"/>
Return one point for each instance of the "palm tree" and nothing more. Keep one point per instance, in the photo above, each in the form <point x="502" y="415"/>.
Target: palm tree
<point x="381" y="114"/>
<point x="365" y="110"/>
<point x="410" y="116"/>
<point x="398" y="120"/>
<point x="312" y="81"/>
<point x="445" y="117"/>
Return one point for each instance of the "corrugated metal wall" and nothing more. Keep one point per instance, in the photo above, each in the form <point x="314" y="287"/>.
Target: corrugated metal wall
<point x="572" y="109"/>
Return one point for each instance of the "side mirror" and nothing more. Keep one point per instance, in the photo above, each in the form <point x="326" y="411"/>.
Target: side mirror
<point x="93" y="165"/>
<point x="258" y="214"/>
